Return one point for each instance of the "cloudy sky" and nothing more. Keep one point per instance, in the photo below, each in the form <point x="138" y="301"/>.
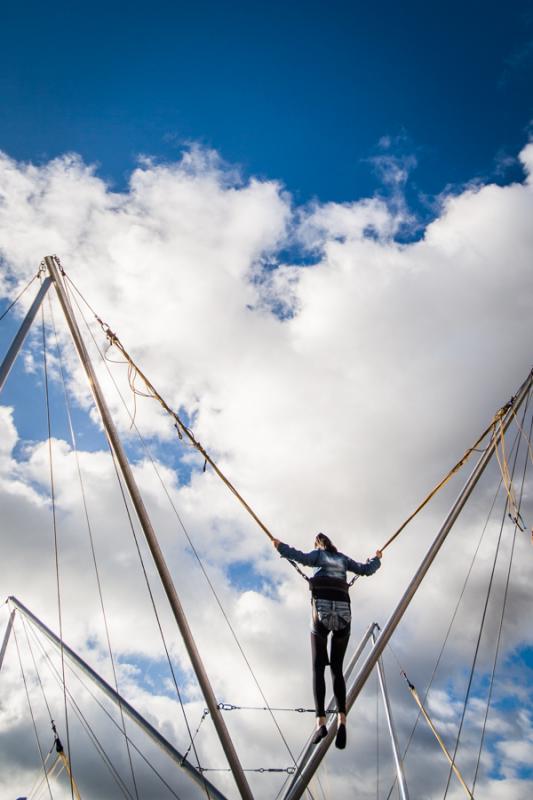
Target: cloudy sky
<point x="312" y="230"/>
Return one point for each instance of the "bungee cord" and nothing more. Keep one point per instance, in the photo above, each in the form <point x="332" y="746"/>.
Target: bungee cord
<point x="451" y="759"/>
<point x="425" y="714"/>
<point x="182" y="429"/>
<point x="152" y="600"/>
<point x="189" y="540"/>
<point x="495" y="428"/>
<point x="134" y="373"/>
<point x="66" y="765"/>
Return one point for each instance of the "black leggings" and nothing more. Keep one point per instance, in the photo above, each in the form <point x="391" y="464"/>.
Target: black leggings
<point x="319" y="652"/>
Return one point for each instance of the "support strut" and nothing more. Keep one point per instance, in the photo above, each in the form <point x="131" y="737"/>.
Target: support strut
<point x="368" y="665"/>
<point x="150" y="535"/>
<point x="18" y="341"/>
<point x="128" y="709"/>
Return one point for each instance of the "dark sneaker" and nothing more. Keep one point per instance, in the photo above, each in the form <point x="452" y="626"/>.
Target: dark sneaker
<point x="319" y="735"/>
<point x="340" y="739"/>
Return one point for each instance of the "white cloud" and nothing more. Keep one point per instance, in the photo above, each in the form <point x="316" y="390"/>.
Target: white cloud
<point x="389" y="359"/>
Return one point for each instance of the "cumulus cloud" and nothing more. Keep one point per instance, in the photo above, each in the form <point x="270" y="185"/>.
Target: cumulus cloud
<point x="333" y="392"/>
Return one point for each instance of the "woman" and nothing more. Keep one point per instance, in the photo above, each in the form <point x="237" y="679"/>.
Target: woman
<point x="330" y="614"/>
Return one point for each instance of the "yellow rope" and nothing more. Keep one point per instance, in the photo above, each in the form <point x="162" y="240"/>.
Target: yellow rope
<point x="524" y="435"/>
<point x="497" y="418"/>
<point x="438" y="738"/>
<point x="48" y="773"/>
<point x="135" y="372"/>
<point x="530" y="451"/>
<point x="62" y="755"/>
<point x="504" y="469"/>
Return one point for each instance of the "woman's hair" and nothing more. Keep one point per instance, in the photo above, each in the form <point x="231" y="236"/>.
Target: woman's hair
<point x="323" y="541"/>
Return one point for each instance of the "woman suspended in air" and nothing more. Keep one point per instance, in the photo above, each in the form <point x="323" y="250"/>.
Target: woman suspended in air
<point x="331" y="613"/>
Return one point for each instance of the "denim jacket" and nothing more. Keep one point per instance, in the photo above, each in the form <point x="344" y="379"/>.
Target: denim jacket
<point x="329" y="565"/>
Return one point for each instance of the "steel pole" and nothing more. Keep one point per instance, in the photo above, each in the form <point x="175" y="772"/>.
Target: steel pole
<point x="394" y="740"/>
<point x="309" y="749"/>
<point x="108" y="690"/>
<point x="7" y="634"/>
<point x="18" y="341"/>
<point x="368" y="665"/>
<point x="151" y="538"/>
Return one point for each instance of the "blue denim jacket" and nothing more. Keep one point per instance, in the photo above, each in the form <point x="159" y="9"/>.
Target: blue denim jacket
<point x="329" y="565"/>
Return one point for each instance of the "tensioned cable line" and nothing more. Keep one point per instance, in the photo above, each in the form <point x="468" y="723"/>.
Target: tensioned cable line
<point x="457" y="606"/>
<point x="55" y="672"/>
<point x="56" y="543"/>
<point x="60" y="754"/>
<point x="91" y="541"/>
<point x="49" y="710"/>
<point x="425" y="714"/>
<point x="150" y="593"/>
<point x="18" y="297"/>
<point x="57" y="742"/>
<point x="154" y="607"/>
<point x="181" y="427"/>
<point x="502" y="616"/>
<point x="420" y="703"/>
<point x="186" y="533"/>
<point x="99" y="747"/>
<point x="232" y="707"/>
<point x="300" y="710"/>
<point x="478" y="642"/>
<point x="92" y="735"/>
<point x="31" y="712"/>
<point x="526" y="439"/>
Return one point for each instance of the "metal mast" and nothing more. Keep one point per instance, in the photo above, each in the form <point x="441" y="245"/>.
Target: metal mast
<point x="151" y="538"/>
<point x="308" y="771"/>
<point x="310" y="748"/>
<point x="7" y="634"/>
<point x="392" y="732"/>
<point x="22" y="332"/>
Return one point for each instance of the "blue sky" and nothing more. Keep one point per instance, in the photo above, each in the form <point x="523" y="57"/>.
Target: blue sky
<point x="301" y="92"/>
<point x="334" y="351"/>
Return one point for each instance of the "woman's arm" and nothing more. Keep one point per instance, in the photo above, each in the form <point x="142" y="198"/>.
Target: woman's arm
<point x="286" y="551"/>
<point x="371" y="566"/>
